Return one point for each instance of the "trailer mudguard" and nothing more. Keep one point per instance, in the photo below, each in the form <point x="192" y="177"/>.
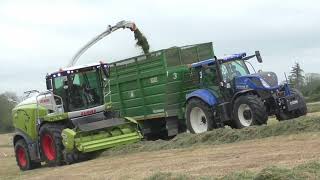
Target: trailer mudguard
<point x="204" y="95"/>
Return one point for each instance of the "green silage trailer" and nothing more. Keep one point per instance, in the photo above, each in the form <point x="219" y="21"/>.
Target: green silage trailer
<point x="152" y="88"/>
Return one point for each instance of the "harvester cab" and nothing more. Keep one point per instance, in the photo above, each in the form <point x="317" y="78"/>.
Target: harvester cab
<point x="80" y="87"/>
<point x="229" y="94"/>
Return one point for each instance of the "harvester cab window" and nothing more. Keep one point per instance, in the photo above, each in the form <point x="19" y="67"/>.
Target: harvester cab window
<point x="75" y="93"/>
<point x="85" y="90"/>
<point x="58" y="82"/>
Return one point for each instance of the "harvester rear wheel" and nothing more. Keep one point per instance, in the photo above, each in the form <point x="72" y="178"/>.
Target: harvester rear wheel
<point x="297" y="113"/>
<point x="51" y="144"/>
<point x="249" y="110"/>
<point x="199" y="116"/>
<point x="22" y="156"/>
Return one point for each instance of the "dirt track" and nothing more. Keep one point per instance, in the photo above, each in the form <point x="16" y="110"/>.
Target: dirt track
<point x="198" y="161"/>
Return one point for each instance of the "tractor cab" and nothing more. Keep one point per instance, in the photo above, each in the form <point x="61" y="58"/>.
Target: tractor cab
<point x="79" y="87"/>
<point x="232" y="74"/>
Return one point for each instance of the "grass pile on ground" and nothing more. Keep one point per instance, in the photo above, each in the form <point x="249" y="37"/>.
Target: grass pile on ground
<point x="225" y="135"/>
<point x="141" y="41"/>
<point x="313" y="107"/>
<point x="305" y="171"/>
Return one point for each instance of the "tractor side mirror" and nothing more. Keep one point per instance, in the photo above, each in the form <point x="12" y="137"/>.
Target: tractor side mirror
<point x="49" y="84"/>
<point x="257" y="53"/>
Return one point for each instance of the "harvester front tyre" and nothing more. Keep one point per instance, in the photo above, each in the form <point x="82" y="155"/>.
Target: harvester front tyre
<point x="51" y="144"/>
<point x="199" y="116"/>
<point x="249" y="110"/>
<point x="297" y="113"/>
<point x="23" y="157"/>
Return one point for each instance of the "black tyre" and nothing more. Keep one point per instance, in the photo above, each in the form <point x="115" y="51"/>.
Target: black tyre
<point x="75" y="157"/>
<point x="51" y="144"/>
<point x="93" y="155"/>
<point x="199" y="116"/>
<point x="249" y="110"/>
<point x="23" y="157"/>
<point x="296" y="113"/>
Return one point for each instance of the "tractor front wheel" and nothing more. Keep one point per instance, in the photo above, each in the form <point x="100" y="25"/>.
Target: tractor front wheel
<point x="199" y="116"/>
<point x="51" y="144"/>
<point x="23" y="157"/>
<point x="249" y="110"/>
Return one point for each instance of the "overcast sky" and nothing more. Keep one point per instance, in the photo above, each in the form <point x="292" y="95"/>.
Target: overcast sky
<point x="38" y="37"/>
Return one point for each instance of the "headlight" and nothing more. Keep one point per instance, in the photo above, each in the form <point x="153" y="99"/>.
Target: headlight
<point x="264" y="83"/>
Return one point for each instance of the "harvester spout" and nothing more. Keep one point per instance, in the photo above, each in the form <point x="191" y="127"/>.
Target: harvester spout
<point x="141" y="39"/>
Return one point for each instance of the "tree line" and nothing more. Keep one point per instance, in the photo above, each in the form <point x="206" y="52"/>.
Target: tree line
<point x="308" y="84"/>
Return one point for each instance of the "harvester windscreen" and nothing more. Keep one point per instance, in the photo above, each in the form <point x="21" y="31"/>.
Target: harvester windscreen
<point x="80" y="90"/>
<point x="232" y="69"/>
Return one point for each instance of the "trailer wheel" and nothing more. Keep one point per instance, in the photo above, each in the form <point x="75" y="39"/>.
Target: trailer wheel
<point x="199" y="116"/>
<point x="51" y="144"/>
<point x="23" y="157"/>
<point x="297" y="113"/>
<point x="249" y="110"/>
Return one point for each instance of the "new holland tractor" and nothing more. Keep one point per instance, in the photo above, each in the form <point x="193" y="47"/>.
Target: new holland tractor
<point x="71" y="120"/>
<point x="229" y="94"/>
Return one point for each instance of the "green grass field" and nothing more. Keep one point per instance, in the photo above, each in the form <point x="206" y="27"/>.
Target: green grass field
<point x="309" y="171"/>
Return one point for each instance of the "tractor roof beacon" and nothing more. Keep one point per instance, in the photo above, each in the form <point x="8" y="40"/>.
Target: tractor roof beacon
<point x="72" y="120"/>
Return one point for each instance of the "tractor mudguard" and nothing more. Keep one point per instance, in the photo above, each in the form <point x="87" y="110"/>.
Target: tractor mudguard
<point x="239" y="93"/>
<point x="32" y="145"/>
<point x="205" y="95"/>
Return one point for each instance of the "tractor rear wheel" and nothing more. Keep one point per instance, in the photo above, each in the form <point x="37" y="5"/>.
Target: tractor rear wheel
<point x="249" y="110"/>
<point x="297" y="113"/>
<point x="199" y="116"/>
<point x="23" y="157"/>
<point x="51" y="144"/>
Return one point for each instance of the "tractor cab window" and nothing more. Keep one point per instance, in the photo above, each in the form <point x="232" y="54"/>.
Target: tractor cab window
<point x="209" y="79"/>
<point x="232" y="69"/>
<point x="209" y="76"/>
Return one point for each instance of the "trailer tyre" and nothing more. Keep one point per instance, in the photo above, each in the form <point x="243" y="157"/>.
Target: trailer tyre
<point x="249" y="110"/>
<point x="23" y="157"/>
<point x="51" y="144"/>
<point x="297" y="113"/>
<point x="199" y="116"/>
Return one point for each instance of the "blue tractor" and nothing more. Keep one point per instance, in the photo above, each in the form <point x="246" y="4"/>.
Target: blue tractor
<point x="230" y="95"/>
